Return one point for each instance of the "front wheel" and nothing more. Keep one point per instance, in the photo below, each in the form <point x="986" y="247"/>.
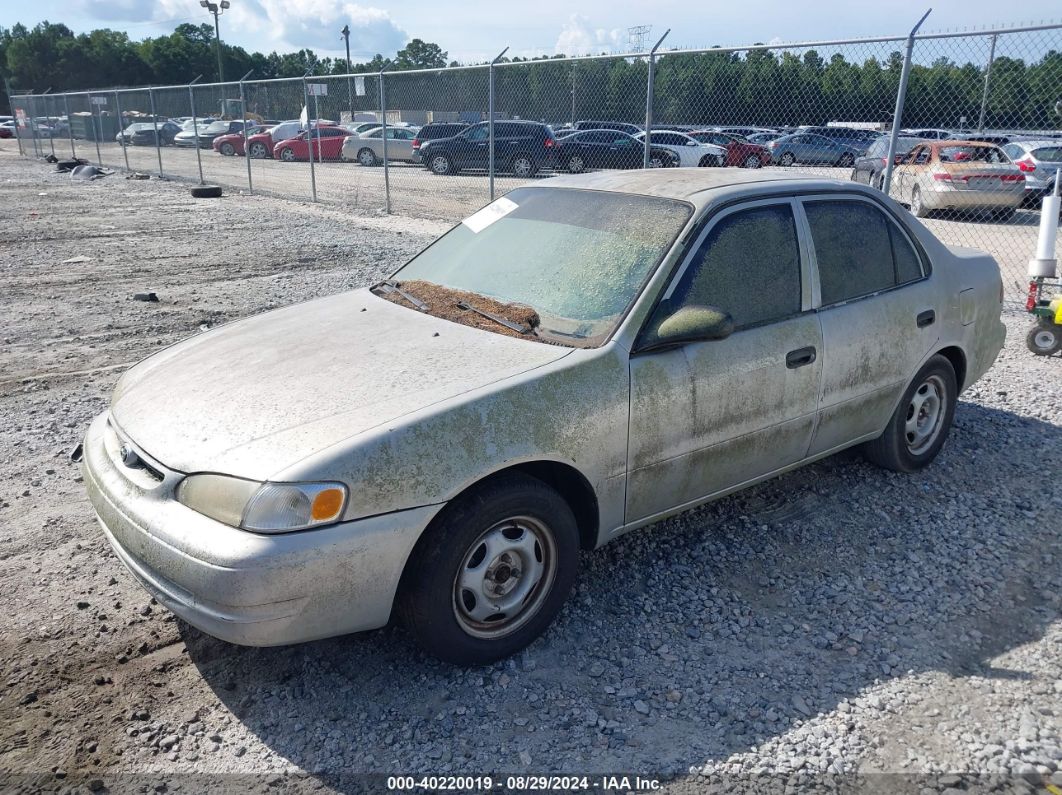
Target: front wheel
<point x="441" y="165"/>
<point x="367" y="157"/>
<point x="258" y="151"/>
<point x="920" y="424"/>
<point x="918" y="207"/>
<point x="492" y="572"/>
<point x="523" y="166"/>
<point x="576" y="164"/>
<point x="227" y="149"/>
<point x="1044" y="339"/>
<point x="847" y="160"/>
<point x="287" y="154"/>
<point x="752" y="161"/>
<point x="710" y="161"/>
<point x="787" y="159"/>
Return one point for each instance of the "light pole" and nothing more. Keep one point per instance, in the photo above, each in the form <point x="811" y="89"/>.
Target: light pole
<point x="217" y="9"/>
<point x="350" y="92"/>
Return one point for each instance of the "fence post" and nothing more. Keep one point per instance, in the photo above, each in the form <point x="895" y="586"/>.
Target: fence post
<point x="14" y="114"/>
<point x="309" y="137"/>
<point x="121" y="129"/>
<point x="383" y="124"/>
<point x="32" y="124"/>
<point x="649" y="100"/>
<point x="901" y="94"/>
<point x="51" y="129"/>
<point x="69" y="126"/>
<point x="97" y="128"/>
<point x="984" y="94"/>
<point x="195" y="128"/>
<point x="155" y="124"/>
<point x="490" y="119"/>
<point x="246" y="154"/>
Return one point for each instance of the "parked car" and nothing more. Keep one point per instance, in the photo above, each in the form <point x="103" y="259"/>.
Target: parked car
<point x="587" y="149"/>
<point x="858" y="139"/>
<point x="434" y="131"/>
<point x="318" y="469"/>
<point x="739" y="152"/>
<point x="928" y="133"/>
<point x="744" y="132"/>
<point x="327" y="144"/>
<point x="1039" y="161"/>
<point x="620" y="126"/>
<point x="357" y="128"/>
<point x="763" y="138"/>
<point x="870" y="168"/>
<point x="143" y="133"/>
<point x="206" y="135"/>
<point x="367" y="148"/>
<point x="520" y="147"/>
<point x="810" y="149"/>
<point x="7" y="130"/>
<point x="262" y="142"/>
<point x="690" y="151"/>
<point x="958" y="175"/>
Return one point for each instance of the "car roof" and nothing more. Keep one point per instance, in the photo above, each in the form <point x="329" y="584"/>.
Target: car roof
<point x="696" y="185"/>
<point x="960" y="142"/>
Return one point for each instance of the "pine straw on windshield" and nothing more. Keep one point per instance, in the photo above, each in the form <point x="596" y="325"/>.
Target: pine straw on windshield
<point x="443" y="302"/>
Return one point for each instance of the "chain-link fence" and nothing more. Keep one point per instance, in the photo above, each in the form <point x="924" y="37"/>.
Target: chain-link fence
<point x="964" y="128"/>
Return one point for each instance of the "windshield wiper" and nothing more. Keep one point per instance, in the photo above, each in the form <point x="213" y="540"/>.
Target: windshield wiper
<point x="391" y="286"/>
<point x="496" y="318"/>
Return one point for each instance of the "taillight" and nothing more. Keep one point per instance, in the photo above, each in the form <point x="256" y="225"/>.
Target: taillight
<point x="416" y="143"/>
<point x="1026" y="165"/>
<point x="884" y="161"/>
<point x="1030" y="300"/>
<point x="550" y="143"/>
<point x="945" y="177"/>
<point x="1012" y="178"/>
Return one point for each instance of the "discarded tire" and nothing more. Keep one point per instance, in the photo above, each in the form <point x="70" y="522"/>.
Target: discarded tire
<point x="206" y="191"/>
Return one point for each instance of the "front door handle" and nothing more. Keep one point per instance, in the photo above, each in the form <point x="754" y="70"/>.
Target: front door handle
<point x="926" y="318"/>
<point x="800" y="357"/>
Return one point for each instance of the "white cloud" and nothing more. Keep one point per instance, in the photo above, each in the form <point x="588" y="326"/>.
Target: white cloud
<point x="274" y="24"/>
<point x="579" y="37"/>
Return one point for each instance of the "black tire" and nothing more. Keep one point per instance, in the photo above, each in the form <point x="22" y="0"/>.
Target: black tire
<point x="575" y="164"/>
<point x="918" y="207"/>
<point x="258" y="150"/>
<point x="709" y="161"/>
<point x="367" y="157"/>
<point x="428" y="598"/>
<point x="206" y="191"/>
<point x="441" y="165"/>
<point x="1004" y="215"/>
<point x="1044" y="339"/>
<point x="287" y="154"/>
<point x="523" y="166"/>
<point x="752" y="161"/>
<point x="227" y="149"/>
<point x="787" y="159"/>
<point x="902" y="449"/>
<point x="847" y="160"/>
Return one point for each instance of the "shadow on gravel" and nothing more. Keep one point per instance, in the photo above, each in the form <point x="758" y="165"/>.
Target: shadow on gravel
<point x="704" y="635"/>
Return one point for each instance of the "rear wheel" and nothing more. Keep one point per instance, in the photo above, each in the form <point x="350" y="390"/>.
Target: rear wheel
<point x="786" y="159"/>
<point x="492" y="571"/>
<point x="1004" y="214"/>
<point x="709" y="161"/>
<point x="1044" y="339"/>
<point x="576" y="164"/>
<point x="258" y="150"/>
<point x="523" y="166"/>
<point x="287" y="154"/>
<point x="847" y="160"/>
<point x="918" y="207"/>
<point x="752" y="161"/>
<point x="920" y="424"/>
<point x="227" y="149"/>
<point x="367" y="157"/>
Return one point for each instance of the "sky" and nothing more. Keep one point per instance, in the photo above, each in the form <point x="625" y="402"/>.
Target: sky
<point x="475" y="32"/>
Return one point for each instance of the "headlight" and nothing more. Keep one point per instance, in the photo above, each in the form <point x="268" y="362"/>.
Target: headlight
<point x="263" y="507"/>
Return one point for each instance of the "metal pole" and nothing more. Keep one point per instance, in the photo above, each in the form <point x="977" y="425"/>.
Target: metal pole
<point x="309" y="137"/>
<point x="51" y="134"/>
<point x="31" y="125"/>
<point x="317" y="117"/>
<point x="573" y="96"/>
<point x="217" y="41"/>
<point x="383" y="124"/>
<point x="901" y="94"/>
<point x="984" y="94"/>
<point x="69" y="127"/>
<point x="350" y="86"/>
<point x="97" y="130"/>
<point x="121" y="128"/>
<point x="649" y="100"/>
<point x="14" y="115"/>
<point x="155" y="124"/>
<point x="490" y="119"/>
<point x="195" y="129"/>
<point x="246" y="154"/>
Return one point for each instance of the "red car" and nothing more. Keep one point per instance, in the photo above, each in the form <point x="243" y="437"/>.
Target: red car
<point x="327" y="145"/>
<point x="739" y="152"/>
<point x="260" y="144"/>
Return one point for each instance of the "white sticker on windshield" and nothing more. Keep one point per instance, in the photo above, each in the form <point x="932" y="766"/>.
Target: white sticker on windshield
<point x="500" y="208"/>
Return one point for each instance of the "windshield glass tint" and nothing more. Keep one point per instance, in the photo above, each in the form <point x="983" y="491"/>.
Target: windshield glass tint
<point x="578" y="257"/>
<point x="979" y="154"/>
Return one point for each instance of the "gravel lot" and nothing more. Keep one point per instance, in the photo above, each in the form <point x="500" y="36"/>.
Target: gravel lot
<point x="841" y="626"/>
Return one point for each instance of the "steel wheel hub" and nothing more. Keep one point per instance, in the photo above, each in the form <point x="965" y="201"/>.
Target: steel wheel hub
<point x="925" y="415"/>
<point x="504" y="577"/>
<point x="1044" y="339"/>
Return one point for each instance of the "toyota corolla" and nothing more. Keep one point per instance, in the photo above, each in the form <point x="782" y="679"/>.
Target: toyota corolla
<point x="579" y="359"/>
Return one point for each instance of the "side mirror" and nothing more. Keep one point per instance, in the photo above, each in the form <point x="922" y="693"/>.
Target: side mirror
<point x="691" y="143"/>
<point x="690" y="324"/>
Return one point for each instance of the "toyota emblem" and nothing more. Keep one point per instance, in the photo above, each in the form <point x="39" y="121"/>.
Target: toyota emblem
<point x="129" y="456"/>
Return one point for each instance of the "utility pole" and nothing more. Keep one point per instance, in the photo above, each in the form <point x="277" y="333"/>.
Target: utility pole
<point x="350" y="91"/>
<point x="217" y="9"/>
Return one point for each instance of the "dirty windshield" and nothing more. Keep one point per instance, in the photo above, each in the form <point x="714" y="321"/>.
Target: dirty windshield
<point x="577" y="257"/>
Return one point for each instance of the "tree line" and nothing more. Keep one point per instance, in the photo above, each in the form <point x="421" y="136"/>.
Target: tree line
<point x="759" y="86"/>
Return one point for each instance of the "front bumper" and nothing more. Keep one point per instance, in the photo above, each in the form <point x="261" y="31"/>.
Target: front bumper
<point x="246" y="588"/>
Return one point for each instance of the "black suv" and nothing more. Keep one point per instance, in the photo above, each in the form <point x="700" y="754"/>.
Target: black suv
<point x="621" y="126"/>
<point x="520" y="147"/>
<point x="434" y="131"/>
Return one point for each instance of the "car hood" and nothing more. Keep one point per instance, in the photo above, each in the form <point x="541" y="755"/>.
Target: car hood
<point x="255" y="397"/>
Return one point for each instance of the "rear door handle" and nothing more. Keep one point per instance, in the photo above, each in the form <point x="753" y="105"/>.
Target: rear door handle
<point x="926" y="318"/>
<point x="800" y="357"/>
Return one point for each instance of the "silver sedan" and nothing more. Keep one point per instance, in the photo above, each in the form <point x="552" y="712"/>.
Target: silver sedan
<point x="367" y="147"/>
<point x="542" y="379"/>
